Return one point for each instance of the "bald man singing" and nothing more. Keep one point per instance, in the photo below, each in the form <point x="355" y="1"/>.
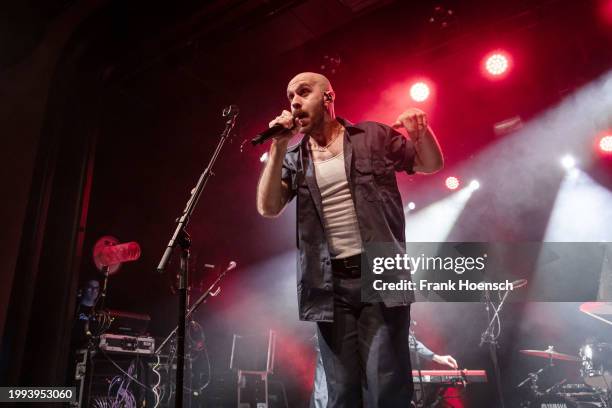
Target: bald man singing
<point x="343" y="175"/>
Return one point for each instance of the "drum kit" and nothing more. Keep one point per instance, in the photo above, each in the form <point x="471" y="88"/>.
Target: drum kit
<point x="595" y="368"/>
<point x="594" y="361"/>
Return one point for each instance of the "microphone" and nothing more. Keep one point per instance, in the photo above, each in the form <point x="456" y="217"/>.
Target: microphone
<point x="269" y="134"/>
<point x="231" y="111"/>
<point x="519" y="283"/>
<point x="116" y="254"/>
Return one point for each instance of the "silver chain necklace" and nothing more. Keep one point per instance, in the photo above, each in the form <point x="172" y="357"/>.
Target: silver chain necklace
<point x="315" y="146"/>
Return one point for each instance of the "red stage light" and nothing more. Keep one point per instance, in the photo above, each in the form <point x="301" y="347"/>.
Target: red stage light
<point x="452" y="183"/>
<point x="497" y="63"/>
<point x="419" y="91"/>
<point x="605" y="144"/>
<point x="605" y="11"/>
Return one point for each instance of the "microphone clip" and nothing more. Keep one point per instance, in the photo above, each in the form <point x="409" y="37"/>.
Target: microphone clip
<point x="230" y="111"/>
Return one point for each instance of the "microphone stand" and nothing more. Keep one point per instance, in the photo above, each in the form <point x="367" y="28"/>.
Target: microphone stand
<point x="209" y="292"/>
<point x="490" y="337"/>
<point x="181" y="238"/>
<point x="102" y="297"/>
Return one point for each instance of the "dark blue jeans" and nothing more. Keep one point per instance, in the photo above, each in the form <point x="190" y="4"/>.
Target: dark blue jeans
<point x="365" y="351"/>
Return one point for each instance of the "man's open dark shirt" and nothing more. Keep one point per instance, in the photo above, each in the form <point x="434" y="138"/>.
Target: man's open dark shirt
<point x="373" y="152"/>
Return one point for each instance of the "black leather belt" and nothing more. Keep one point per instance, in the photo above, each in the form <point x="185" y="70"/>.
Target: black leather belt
<point x="347" y="267"/>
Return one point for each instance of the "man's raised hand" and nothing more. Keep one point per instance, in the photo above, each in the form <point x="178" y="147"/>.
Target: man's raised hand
<point x="413" y="119"/>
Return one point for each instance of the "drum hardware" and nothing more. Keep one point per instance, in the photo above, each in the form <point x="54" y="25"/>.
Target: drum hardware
<point x="596" y="365"/>
<point x="595" y="392"/>
<point x="533" y="378"/>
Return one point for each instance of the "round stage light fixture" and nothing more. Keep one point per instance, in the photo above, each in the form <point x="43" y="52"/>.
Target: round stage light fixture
<point x="452" y="183"/>
<point x="605" y="144"/>
<point x="419" y="91"/>
<point x="497" y="64"/>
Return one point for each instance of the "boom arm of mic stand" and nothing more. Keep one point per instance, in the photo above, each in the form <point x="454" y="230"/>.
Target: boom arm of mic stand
<point x="209" y="292"/>
<point x="182" y="222"/>
<point x="496" y="311"/>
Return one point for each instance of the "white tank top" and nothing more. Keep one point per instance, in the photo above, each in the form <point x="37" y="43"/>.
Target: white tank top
<point x="339" y="216"/>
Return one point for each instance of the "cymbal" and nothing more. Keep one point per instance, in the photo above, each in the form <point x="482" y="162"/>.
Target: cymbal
<point x="598" y="308"/>
<point x="550" y="354"/>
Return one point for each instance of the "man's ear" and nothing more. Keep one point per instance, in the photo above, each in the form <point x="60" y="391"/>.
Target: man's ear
<point x="328" y="96"/>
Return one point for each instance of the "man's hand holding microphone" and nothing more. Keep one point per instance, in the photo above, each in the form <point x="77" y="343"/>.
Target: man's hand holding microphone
<point x="281" y="128"/>
<point x="272" y="192"/>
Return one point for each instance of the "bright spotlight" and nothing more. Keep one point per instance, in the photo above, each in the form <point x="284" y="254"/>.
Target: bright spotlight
<point x="264" y="157"/>
<point x="452" y="183"/>
<point x="581" y="211"/>
<point x="419" y="91"/>
<point x="411" y="205"/>
<point x="568" y="162"/>
<point x="605" y="144"/>
<point x="497" y="63"/>
<point x="474" y="184"/>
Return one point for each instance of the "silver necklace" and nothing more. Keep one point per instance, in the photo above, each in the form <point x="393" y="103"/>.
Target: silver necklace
<point x="315" y="146"/>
